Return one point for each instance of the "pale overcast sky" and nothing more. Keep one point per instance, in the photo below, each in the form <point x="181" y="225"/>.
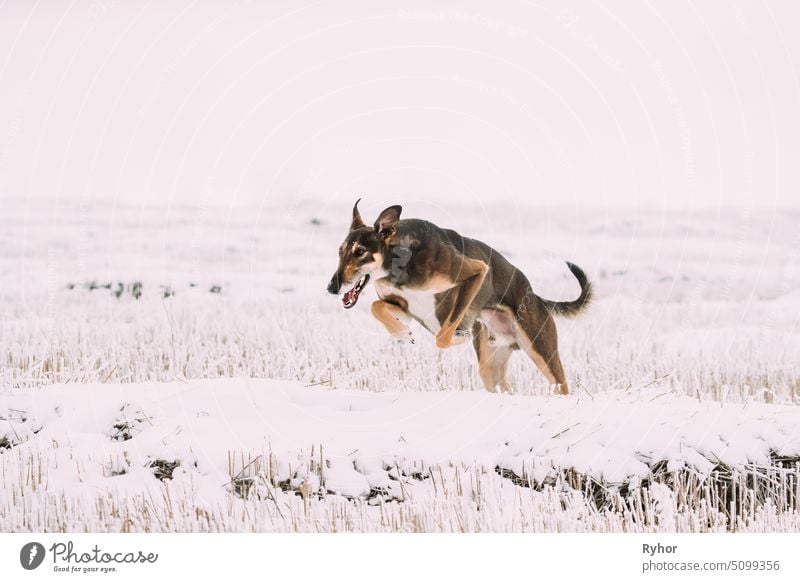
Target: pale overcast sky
<point x="663" y="104"/>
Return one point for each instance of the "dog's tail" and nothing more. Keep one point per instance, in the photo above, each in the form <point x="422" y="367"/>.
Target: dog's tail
<point x="573" y="308"/>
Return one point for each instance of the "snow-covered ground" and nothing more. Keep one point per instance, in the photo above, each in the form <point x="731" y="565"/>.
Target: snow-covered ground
<point x="262" y="442"/>
<point x="685" y="375"/>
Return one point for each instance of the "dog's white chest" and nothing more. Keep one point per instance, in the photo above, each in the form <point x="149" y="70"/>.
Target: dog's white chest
<point x="421" y="302"/>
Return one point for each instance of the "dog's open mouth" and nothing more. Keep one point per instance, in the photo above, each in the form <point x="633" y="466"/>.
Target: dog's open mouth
<point x="351" y="297"/>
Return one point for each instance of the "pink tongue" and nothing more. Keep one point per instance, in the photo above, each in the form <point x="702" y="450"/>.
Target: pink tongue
<point x="349" y="298"/>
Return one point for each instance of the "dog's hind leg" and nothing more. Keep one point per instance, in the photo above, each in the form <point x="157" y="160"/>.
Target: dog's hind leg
<point x="492" y="359"/>
<point x="471" y="275"/>
<point x="535" y="331"/>
<point x="394" y="318"/>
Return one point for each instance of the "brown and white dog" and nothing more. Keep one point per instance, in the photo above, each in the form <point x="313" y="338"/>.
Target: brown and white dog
<point x="457" y="288"/>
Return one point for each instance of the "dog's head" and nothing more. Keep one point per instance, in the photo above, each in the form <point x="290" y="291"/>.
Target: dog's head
<point x="361" y="253"/>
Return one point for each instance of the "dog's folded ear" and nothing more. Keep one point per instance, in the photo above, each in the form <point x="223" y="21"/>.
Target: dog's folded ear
<point x="357" y="222"/>
<point x="388" y="219"/>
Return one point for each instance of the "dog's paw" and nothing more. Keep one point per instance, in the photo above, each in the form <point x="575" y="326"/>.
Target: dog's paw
<point x="405" y="338"/>
<point x="460" y="336"/>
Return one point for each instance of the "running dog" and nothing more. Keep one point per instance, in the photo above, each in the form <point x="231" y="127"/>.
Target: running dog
<point x="457" y="288"/>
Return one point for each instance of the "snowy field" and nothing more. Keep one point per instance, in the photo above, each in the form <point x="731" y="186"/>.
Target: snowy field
<point x="183" y="369"/>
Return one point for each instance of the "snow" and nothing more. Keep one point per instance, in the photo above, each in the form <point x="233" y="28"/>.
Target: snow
<point x="616" y="437"/>
<point x="284" y="411"/>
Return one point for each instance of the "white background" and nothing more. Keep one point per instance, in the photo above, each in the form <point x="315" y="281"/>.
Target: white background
<point x="432" y="557"/>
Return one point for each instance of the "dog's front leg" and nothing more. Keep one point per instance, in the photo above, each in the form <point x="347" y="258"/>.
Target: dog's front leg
<point x="471" y="276"/>
<point x="394" y="318"/>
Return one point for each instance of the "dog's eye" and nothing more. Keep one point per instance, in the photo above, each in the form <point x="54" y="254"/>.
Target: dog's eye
<point x="359" y="252"/>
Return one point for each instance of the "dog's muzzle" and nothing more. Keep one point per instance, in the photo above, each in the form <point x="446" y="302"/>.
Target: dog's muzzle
<point x="350" y="297"/>
<point x="334" y="286"/>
